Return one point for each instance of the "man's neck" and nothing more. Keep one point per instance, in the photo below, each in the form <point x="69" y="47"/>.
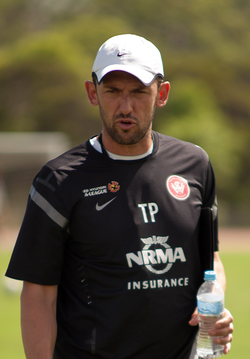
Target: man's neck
<point x="97" y="145"/>
<point x="136" y="149"/>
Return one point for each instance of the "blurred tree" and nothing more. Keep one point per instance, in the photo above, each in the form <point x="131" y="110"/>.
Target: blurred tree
<point x="13" y="20"/>
<point x="42" y="87"/>
<point x="42" y="80"/>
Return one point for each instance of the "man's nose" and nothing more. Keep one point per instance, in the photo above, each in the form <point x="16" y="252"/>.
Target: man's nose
<point x="126" y="105"/>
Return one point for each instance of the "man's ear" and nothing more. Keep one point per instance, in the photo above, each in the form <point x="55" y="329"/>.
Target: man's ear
<point x="163" y="93"/>
<point x="91" y="92"/>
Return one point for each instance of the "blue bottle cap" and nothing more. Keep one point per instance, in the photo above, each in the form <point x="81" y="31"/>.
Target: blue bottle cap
<point x="210" y="275"/>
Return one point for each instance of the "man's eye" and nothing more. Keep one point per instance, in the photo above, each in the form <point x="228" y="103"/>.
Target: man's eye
<point x="140" y="92"/>
<point x="112" y="90"/>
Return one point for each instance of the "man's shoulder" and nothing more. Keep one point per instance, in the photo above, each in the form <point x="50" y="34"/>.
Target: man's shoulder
<point x="174" y="144"/>
<point x="69" y="163"/>
<point x="72" y="158"/>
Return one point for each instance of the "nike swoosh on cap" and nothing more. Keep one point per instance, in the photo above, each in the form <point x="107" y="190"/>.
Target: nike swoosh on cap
<point x="99" y="208"/>
<point x="120" y="54"/>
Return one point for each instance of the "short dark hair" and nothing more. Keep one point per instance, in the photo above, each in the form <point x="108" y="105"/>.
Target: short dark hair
<point x="160" y="80"/>
<point x="94" y="78"/>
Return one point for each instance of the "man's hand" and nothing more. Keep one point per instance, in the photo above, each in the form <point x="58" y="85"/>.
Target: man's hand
<point x="222" y="328"/>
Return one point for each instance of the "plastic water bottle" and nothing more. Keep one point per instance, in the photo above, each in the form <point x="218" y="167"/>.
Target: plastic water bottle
<point x="210" y="303"/>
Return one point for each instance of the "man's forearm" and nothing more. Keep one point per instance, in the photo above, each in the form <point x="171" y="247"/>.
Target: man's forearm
<point x="219" y="269"/>
<point x="38" y="321"/>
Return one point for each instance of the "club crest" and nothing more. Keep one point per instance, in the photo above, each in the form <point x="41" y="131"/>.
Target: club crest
<point x="178" y="187"/>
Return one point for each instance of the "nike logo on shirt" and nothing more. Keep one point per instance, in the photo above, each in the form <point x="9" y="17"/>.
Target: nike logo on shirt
<point x="99" y="208"/>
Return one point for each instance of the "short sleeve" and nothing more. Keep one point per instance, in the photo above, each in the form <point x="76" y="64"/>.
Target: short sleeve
<point x="38" y="254"/>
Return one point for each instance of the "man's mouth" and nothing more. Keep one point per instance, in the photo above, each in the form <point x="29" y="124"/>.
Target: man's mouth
<point x="126" y="124"/>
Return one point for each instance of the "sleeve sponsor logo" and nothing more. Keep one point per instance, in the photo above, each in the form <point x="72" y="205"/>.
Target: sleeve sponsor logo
<point x="178" y="187"/>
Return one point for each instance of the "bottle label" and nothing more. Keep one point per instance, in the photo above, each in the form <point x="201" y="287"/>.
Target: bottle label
<point x="209" y="308"/>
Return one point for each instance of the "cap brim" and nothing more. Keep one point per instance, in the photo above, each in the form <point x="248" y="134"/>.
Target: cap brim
<point x="144" y="76"/>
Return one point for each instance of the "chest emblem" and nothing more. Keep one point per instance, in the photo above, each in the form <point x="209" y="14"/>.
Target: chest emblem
<point x="113" y="186"/>
<point x="178" y="187"/>
<point x="156" y="259"/>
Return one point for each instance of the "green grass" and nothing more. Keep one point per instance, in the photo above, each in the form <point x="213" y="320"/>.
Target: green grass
<point x="237" y="266"/>
<point x="237" y="299"/>
<point x="10" y="333"/>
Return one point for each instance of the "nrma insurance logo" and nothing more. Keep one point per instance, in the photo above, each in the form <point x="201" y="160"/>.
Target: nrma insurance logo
<point x="157" y="255"/>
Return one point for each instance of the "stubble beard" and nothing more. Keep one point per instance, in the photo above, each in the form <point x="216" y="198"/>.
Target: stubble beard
<point x="127" y="137"/>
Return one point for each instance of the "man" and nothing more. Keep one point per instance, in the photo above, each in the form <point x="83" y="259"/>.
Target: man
<point x="109" y="246"/>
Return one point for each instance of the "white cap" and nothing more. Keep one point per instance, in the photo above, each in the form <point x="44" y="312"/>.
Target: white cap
<point x="129" y="53"/>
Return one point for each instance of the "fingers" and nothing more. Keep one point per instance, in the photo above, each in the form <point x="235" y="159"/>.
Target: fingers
<point x="224" y="340"/>
<point x="194" y="321"/>
<point x="227" y="348"/>
<point x="224" y="328"/>
<point x="194" y="318"/>
<point x="226" y="320"/>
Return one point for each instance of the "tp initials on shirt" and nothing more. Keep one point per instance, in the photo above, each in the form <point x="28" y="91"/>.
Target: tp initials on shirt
<point x="152" y="208"/>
